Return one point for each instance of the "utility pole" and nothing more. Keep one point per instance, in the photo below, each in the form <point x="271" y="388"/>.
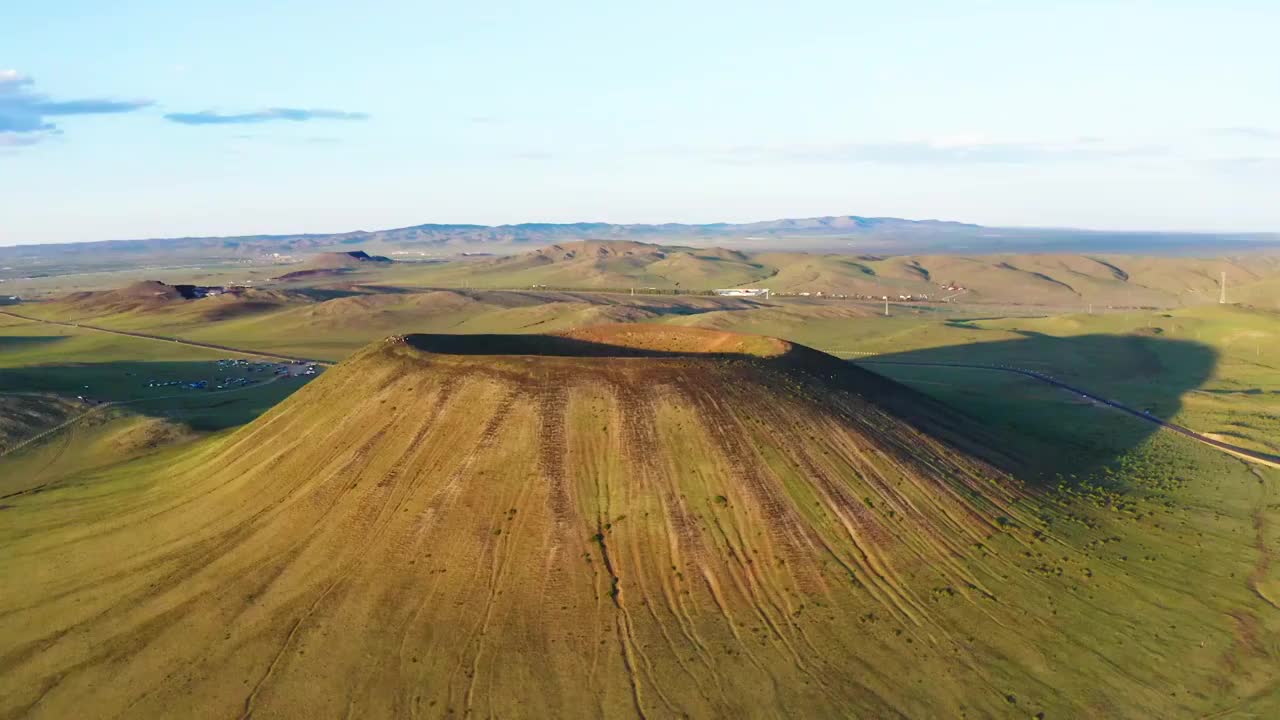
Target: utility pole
<point x="1222" y="294"/>
<point x="1090" y="308"/>
<point x="886" y="308"/>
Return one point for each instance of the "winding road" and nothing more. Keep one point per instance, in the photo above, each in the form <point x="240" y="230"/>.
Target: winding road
<point x="164" y="338"/>
<point x="1236" y="450"/>
<point x="159" y="338"/>
<point x="1262" y="457"/>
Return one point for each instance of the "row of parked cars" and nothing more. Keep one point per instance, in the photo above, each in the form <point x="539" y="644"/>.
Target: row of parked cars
<point x="281" y="369"/>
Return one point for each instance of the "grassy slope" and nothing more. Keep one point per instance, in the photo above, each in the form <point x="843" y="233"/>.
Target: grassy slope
<point x="1051" y="279"/>
<point x="580" y="265"/>
<point x="1213" y="368"/>
<point x="59" y="363"/>
<point x="1229" y="393"/>
<point x="335" y="328"/>
<point x="23" y="415"/>
<point x="1264" y="294"/>
<point x="563" y="537"/>
<point x="36" y="357"/>
<point x="1136" y="356"/>
<point x="1054" y="280"/>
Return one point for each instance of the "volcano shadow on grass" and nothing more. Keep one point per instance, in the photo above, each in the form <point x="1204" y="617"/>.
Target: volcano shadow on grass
<point x="127" y="382"/>
<point x="18" y="343"/>
<point x="1051" y="431"/>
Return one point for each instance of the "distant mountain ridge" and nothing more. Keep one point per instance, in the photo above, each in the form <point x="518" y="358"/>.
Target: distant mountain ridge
<point x="1057" y="279"/>
<point x="838" y="233"/>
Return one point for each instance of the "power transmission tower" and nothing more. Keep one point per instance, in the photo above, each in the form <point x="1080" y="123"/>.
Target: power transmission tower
<point x="886" y="308"/>
<point x="1222" y="290"/>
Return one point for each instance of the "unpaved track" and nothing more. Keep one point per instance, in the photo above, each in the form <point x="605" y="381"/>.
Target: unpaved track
<point x="163" y="338"/>
<point x="396" y="539"/>
<point x="1254" y="455"/>
<point x="117" y="403"/>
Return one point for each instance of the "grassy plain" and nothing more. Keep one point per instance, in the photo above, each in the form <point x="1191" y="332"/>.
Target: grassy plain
<point x="1119" y="572"/>
<point x="1056" y="280"/>
<point x="77" y="398"/>
<point x="557" y="533"/>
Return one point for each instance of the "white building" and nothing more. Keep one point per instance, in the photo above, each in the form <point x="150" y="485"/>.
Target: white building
<point x="744" y="292"/>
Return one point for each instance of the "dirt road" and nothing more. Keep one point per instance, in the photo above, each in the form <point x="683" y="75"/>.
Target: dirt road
<point x="163" y="338"/>
<point x="1265" y="458"/>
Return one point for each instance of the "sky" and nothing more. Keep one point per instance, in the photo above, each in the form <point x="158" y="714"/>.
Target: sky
<point x="154" y="118"/>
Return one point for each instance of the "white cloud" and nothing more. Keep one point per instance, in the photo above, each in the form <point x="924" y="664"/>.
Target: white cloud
<point x="24" y="114"/>
<point x="11" y="79"/>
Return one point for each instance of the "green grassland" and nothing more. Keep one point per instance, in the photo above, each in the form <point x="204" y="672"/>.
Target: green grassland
<point x="1119" y="571"/>
<point x="38" y="357"/>
<point x="333" y="328"/>
<point x="1213" y="368"/>
<point x="1059" y="281"/>
<point x="559" y="535"/>
<point x="102" y="397"/>
<point x="82" y="275"/>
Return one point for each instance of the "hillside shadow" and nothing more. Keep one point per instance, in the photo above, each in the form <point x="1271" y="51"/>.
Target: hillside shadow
<point x="125" y="385"/>
<point x="323" y="293"/>
<point x="18" y="343"/>
<point x="1050" y="432"/>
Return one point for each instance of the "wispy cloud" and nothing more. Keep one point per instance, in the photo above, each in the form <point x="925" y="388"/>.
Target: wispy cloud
<point x="1251" y="133"/>
<point x="16" y="139"/>
<point x="210" y="117"/>
<point x="24" y="112"/>
<point x="12" y="79"/>
<point x="940" y="151"/>
<point x="1247" y="166"/>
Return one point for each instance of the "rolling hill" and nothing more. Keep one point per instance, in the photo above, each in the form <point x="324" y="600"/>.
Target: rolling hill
<point x="1033" y="279"/>
<point x="336" y="263"/>
<point x="146" y="294"/>
<point x="635" y="520"/>
<point x="1051" y="280"/>
<point x="308" y="325"/>
<point x="23" y="416"/>
<point x="153" y="299"/>
<point x="1023" y="279"/>
<point x="851" y="234"/>
<point x="604" y="264"/>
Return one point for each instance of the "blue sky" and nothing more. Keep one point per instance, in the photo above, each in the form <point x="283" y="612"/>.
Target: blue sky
<point x="160" y="118"/>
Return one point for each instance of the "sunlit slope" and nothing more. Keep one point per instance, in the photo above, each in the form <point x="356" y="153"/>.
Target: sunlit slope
<point x="336" y="328"/>
<point x="604" y="264"/>
<point x="625" y="521"/>
<point x="1263" y="293"/>
<point x="1025" y="279"/>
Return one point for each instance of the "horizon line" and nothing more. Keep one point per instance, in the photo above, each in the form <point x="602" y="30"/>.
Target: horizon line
<point x="281" y="235"/>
